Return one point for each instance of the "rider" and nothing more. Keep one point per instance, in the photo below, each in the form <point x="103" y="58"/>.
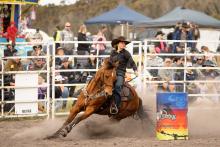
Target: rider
<point x="123" y="58"/>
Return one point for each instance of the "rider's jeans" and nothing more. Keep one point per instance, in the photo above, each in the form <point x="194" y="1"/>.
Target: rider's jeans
<point x="117" y="90"/>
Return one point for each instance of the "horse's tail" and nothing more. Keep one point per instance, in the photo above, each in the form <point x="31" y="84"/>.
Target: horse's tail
<point x="140" y="112"/>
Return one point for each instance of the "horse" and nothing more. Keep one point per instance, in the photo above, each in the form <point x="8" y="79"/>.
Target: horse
<point x="96" y="98"/>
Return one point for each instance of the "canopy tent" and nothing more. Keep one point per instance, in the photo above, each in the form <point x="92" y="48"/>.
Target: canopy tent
<point x="180" y="14"/>
<point x="119" y="15"/>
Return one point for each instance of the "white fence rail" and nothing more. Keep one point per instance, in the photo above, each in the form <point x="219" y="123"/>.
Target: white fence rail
<point x="51" y="106"/>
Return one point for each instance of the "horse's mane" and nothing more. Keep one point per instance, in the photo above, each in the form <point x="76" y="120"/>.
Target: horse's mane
<point x="107" y="64"/>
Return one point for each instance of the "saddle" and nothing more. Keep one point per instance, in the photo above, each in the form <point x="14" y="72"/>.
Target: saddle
<point x="126" y="94"/>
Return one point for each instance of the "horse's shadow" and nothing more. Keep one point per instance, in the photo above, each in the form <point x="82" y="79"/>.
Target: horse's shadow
<point x="109" y="128"/>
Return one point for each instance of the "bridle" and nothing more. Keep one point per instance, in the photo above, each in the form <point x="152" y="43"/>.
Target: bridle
<point x="99" y="93"/>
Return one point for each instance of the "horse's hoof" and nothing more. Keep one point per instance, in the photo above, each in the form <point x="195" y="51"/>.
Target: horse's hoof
<point x="68" y="129"/>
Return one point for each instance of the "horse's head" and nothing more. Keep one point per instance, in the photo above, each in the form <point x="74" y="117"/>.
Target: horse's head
<point x="103" y="80"/>
<point x="109" y="76"/>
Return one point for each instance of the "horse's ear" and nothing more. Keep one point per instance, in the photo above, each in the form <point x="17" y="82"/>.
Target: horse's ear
<point x="115" y="64"/>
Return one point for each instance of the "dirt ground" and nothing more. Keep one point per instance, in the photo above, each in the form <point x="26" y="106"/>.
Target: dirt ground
<point x="98" y="131"/>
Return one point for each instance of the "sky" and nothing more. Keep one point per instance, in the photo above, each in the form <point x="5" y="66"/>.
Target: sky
<point x="56" y="2"/>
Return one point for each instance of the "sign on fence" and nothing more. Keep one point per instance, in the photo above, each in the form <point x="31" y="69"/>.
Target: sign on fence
<point x="172" y="116"/>
<point x="26" y="94"/>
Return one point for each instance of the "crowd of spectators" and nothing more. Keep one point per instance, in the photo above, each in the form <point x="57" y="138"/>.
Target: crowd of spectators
<point x="203" y="58"/>
<point x="163" y="54"/>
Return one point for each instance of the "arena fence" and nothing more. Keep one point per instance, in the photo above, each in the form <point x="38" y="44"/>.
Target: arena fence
<point x="51" y="106"/>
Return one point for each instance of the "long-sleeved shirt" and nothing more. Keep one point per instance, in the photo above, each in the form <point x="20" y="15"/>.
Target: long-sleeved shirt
<point x="124" y="59"/>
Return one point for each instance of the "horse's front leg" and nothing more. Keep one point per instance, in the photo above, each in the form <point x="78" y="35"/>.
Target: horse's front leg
<point x="86" y="114"/>
<point x="64" y="130"/>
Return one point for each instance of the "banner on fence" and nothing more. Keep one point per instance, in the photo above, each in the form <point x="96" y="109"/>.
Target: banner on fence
<point x="172" y="111"/>
<point x="26" y="94"/>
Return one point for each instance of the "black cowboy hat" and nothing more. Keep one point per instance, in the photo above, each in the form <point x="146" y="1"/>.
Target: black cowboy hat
<point x="119" y="39"/>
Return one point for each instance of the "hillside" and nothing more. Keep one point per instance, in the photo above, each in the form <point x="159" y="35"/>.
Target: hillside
<point x="48" y="17"/>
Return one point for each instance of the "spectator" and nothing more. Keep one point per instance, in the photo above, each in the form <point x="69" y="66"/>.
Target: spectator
<point x="82" y="47"/>
<point x="217" y="57"/>
<point x="167" y="75"/>
<point x="161" y="46"/>
<point x="181" y="33"/>
<point x="100" y="47"/>
<point x="37" y="37"/>
<point x="199" y="63"/>
<point x="58" y="60"/>
<point x="39" y="64"/>
<point x="14" y="64"/>
<point x="179" y="73"/>
<point x="57" y="36"/>
<point x="10" y="51"/>
<point x="92" y="63"/>
<point x="209" y="73"/>
<point x="69" y="77"/>
<point x="154" y="61"/>
<point x="9" y="80"/>
<point x="60" y="92"/>
<point x="195" y="35"/>
<point x="42" y="92"/>
<point x="67" y="35"/>
<point x="37" y="51"/>
<point x="209" y="55"/>
<point x="12" y="32"/>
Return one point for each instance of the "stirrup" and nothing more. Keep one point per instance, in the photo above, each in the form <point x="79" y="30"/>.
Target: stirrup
<point x="114" y="109"/>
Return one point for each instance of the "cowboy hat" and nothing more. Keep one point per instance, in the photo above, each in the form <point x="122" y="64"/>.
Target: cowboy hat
<point x="119" y="39"/>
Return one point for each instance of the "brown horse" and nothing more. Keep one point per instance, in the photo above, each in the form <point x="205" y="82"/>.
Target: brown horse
<point x="94" y="98"/>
